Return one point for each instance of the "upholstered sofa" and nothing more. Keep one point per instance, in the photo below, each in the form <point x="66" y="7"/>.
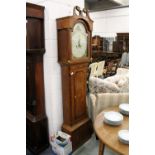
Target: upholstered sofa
<point x="107" y="92"/>
<point x="98" y="102"/>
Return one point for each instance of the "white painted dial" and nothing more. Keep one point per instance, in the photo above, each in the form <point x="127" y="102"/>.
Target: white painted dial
<point x="79" y="41"/>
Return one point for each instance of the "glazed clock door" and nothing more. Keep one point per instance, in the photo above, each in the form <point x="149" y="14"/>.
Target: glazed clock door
<point x="79" y="41"/>
<point x="78" y="86"/>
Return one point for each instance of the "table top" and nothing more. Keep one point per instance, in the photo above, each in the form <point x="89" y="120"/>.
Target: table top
<point x="109" y="134"/>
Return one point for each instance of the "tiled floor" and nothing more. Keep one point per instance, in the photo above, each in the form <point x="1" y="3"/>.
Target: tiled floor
<point x="46" y="152"/>
<point x="89" y="148"/>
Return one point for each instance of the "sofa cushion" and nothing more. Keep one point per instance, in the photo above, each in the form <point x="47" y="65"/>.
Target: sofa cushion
<point x="97" y="85"/>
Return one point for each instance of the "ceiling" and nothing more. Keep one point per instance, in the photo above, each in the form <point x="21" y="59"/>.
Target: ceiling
<point x="100" y="5"/>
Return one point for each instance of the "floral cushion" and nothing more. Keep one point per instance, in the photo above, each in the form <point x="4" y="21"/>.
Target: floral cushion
<point x="122" y="71"/>
<point x="97" y="85"/>
<point x="118" y="83"/>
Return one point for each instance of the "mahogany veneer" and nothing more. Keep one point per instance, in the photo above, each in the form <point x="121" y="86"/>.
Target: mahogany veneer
<point x="36" y="120"/>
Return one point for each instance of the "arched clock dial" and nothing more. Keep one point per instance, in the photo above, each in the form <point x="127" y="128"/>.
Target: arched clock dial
<point x="79" y="41"/>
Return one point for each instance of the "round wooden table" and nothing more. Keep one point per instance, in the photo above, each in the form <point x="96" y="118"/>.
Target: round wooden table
<point x="108" y="135"/>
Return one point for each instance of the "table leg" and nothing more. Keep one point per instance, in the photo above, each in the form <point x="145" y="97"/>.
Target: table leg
<point x="101" y="148"/>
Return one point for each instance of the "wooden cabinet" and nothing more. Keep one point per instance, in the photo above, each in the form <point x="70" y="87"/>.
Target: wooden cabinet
<point x="101" y="55"/>
<point x="122" y="43"/>
<point x="36" y="120"/>
<point x="97" y="43"/>
<point x="74" y="55"/>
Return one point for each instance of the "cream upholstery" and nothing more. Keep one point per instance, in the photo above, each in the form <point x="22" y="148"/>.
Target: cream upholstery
<point x="100" y="67"/>
<point x="97" y="68"/>
<point x="100" y="101"/>
<point x="93" y="67"/>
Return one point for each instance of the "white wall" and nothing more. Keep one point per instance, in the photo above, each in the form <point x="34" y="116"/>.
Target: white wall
<point x="52" y="71"/>
<point x="108" y="23"/>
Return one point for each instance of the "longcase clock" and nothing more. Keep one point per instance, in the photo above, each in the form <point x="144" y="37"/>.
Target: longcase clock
<point x="74" y="55"/>
<point x="36" y="120"/>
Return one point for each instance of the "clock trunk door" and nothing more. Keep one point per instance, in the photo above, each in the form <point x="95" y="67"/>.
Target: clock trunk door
<point x="78" y="86"/>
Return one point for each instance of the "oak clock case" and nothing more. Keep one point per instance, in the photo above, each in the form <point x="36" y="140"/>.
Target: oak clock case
<point x="74" y="55"/>
<point x="36" y="120"/>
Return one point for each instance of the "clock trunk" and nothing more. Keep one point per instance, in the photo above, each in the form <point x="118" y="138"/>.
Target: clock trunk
<point x="76" y="121"/>
<point x="36" y="120"/>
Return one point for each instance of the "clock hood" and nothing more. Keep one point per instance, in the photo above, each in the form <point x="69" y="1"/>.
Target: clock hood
<point x="69" y="21"/>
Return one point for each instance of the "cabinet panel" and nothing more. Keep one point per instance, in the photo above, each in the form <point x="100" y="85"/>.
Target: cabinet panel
<point x="80" y="93"/>
<point x="30" y="85"/>
<point x="34" y="33"/>
<point x="78" y="86"/>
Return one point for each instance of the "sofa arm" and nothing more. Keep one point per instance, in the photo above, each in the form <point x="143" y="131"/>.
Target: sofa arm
<point x="91" y="104"/>
<point x="104" y="100"/>
<point x="97" y="103"/>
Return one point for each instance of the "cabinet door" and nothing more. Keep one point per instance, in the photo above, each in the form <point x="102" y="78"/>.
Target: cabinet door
<point x="78" y="91"/>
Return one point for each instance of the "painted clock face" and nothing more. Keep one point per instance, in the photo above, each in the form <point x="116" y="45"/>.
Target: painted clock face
<point x="79" y="41"/>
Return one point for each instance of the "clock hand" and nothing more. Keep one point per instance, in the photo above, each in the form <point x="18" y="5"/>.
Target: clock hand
<point x="79" y="43"/>
<point x="76" y="46"/>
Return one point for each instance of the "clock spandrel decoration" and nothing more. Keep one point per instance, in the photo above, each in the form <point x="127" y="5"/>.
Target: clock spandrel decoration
<point x="74" y="55"/>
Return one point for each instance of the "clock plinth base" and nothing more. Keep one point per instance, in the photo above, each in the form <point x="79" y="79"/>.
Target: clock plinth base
<point x="37" y="135"/>
<point x="79" y="132"/>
